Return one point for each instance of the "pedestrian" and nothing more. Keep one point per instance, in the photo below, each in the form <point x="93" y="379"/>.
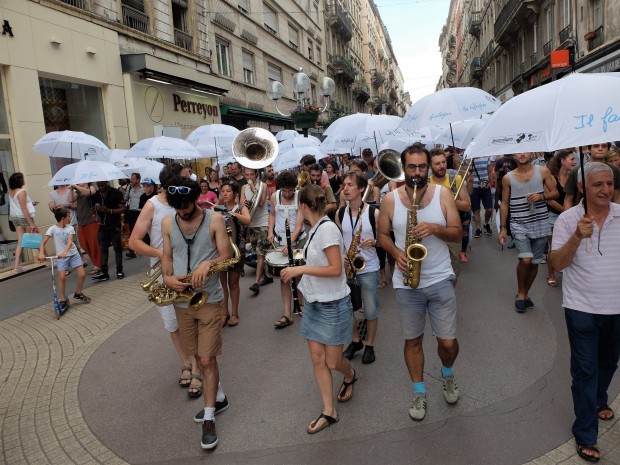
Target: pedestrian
<point x="88" y="224"/>
<point x="109" y="205"/>
<point x="437" y="223"/>
<point x="132" y="205"/>
<point x="21" y="214"/>
<point x="482" y="193"/>
<point x="150" y="190"/>
<point x="328" y="313"/>
<point x="65" y="196"/>
<point x="207" y="198"/>
<point x="335" y="181"/>
<point x="586" y="248"/>
<point x="525" y="192"/>
<point x="69" y="258"/>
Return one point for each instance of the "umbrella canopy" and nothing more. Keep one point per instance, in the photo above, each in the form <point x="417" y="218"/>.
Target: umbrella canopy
<point x="447" y="106"/>
<point x="356" y="143"/>
<point x="290" y="158"/>
<point x="86" y="171"/>
<point x="70" y="144"/>
<point x="579" y="109"/>
<point x="164" y="147"/>
<point x="214" y="141"/>
<point x="287" y="134"/>
<point x="461" y="133"/>
<point x="298" y="142"/>
<point x="147" y="168"/>
<point x="362" y="122"/>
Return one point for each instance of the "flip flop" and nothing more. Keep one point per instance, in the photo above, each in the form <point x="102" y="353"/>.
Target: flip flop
<point x="326" y="424"/>
<point x="605" y="408"/>
<point x="382" y="284"/>
<point x="342" y="397"/>
<point x="234" y="321"/>
<point x="552" y="282"/>
<point x="590" y="458"/>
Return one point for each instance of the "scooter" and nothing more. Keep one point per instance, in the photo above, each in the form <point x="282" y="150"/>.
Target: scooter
<point x="58" y="311"/>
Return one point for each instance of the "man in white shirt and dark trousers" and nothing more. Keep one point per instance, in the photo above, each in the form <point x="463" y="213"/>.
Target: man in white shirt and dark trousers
<point x="132" y="203"/>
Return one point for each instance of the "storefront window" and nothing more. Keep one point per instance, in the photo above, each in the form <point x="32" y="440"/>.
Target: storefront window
<point x="6" y="157"/>
<point x="70" y="106"/>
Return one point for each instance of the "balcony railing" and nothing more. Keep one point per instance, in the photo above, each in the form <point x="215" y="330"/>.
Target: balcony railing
<point x="81" y="4"/>
<point x="598" y="39"/>
<point x="182" y="39"/>
<point x="343" y="67"/>
<point x="475" y="70"/>
<point x="512" y="16"/>
<point x="377" y="78"/>
<point x="339" y="19"/>
<point x="547" y="48"/>
<point x="135" y="19"/>
<point x="533" y="59"/>
<point x="360" y="90"/>
<point x="565" y="34"/>
<point x="474" y="24"/>
<point x="486" y="55"/>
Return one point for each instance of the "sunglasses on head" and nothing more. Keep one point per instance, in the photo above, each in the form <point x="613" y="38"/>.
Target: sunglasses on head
<point x="183" y="190"/>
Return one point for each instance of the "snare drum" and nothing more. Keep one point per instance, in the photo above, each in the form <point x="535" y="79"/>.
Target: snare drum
<point x="276" y="261"/>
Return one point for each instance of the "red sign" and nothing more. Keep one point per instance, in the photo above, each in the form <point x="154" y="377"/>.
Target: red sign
<point x="545" y="73"/>
<point x="560" y="59"/>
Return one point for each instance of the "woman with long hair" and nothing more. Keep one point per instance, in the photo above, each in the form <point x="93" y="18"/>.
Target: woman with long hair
<point x="328" y="312"/>
<point x="207" y="198"/>
<point x="214" y="180"/>
<point x="335" y="181"/>
<point x="230" y="278"/>
<point x="21" y="213"/>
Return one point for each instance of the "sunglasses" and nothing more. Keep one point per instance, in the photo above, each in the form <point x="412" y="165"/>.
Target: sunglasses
<point x="183" y="190"/>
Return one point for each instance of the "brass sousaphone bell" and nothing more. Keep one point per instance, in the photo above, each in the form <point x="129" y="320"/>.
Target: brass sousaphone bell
<point x="388" y="169"/>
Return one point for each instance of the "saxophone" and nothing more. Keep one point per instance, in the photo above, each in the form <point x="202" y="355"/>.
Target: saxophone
<point x="161" y="295"/>
<point x="415" y="251"/>
<point x="356" y="263"/>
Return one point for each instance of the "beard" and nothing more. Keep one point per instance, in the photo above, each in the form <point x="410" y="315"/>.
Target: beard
<point x="317" y="182"/>
<point x="416" y="180"/>
<point x="188" y="216"/>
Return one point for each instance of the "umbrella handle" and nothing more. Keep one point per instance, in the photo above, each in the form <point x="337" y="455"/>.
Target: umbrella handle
<point x="583" y="181"/>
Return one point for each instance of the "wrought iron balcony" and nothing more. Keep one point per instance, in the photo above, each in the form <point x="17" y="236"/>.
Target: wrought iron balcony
<point x="182" y="39"/>
<point x="565" y="34"/>
<point x="338" y="18"/>
<point x="343" y="67"/>
<point x="533" y="59"/>
<point x="475" y="21"/>
<point x="486" y="55"/>
<point x="547" y="48"/>
<point x="81" y="4"/>
<point x="135" y="19"/>
<point x="512" y="18"/>
<point x="377" y="78"/>
<point x="475" y="70"/>
<point x="361" y="91"/>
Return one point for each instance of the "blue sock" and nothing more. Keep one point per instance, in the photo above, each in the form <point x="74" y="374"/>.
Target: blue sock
<point x="446" y="372"/>
<point x="419" y="388"/>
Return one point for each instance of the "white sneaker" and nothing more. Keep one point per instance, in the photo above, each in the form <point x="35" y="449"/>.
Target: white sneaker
<point x="417" y="409"/>
<point x="450" y="390"/>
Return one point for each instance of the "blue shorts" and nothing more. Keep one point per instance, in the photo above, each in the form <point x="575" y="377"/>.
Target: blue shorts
<point x="481" y="195"/>
<point x="369" y="283"/>
<point x="438" y="300"/>
<point x="70" y="262"/>
<point x="530" y="248"/>
<point x="328" y="323"/>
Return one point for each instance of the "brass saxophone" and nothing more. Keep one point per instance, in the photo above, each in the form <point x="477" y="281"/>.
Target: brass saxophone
<point x="415" y="251"/>
<point x="356" y="263"/>
<point x="161" y="295"/>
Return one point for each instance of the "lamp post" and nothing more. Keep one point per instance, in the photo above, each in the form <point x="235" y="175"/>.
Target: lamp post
<point x="306" y="113"/>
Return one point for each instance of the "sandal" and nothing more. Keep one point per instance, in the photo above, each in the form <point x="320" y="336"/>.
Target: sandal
<point x="552" y="282"/>
<point x="326" y="424"/>
<point x="342" y="397"/>
<point x="234" y="320"/>
<point x="382" y="284"/>
<point x="608" y="413"/>
<point x="82" y="297"/>
<point x="185" y="381"/>
<point x="590" y="458"/>
<point x="197" y="390"/>
<point x="225" y="322"/>
<point x="283" y="322"/>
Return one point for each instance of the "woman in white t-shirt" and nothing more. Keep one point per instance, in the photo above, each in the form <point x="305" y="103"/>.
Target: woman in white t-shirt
<point x="21" y="213"/>
<point x="328" y="313"/>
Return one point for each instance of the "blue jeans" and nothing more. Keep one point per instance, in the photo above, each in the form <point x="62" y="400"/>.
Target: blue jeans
<point x="594" y="352"/>
<point x="369" y="283"/>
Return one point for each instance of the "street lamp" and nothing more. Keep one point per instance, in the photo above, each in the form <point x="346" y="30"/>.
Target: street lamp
<point x="306" y="113"/>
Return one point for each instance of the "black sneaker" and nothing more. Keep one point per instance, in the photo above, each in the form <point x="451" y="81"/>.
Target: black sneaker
<point x="131" y="254"/>
<point x="219" y="408"/>
<point x="369" y="355"/>
<point x="99" y="277"/>
<point x="254" y="288"/>
<point x="120" y="275"/>
<point x="266" y="280"/>
<point x="478" y="233"/>
<point x="209" y="437"/>
<point x="487" y="229"/>
<point x="349" y="352"/>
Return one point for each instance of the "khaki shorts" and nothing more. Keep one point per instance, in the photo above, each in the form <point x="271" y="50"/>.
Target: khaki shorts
<point x="258" y="238"/>
<point x="201" y="329"/>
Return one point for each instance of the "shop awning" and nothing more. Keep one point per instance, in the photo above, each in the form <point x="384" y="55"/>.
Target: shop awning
<point x="232" y="110"/>
<point x="173" y="73"/>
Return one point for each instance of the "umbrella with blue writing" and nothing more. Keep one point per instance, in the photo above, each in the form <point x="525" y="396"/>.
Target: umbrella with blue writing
<point x="164" y="147"/>
<point x="70" y="144"/>
<point x="86" y="171"/>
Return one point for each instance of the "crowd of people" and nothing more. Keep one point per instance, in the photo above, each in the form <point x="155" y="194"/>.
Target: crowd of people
<point x="334" y="234"/>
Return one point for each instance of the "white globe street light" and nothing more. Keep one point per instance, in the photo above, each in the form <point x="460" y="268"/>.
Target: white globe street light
<point x="301" y="85"/>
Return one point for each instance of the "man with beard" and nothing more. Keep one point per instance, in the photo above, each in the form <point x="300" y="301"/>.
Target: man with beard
<point x="234" y="172"/>
<point x="525" y="192"/>
<point x="438" y="222"/>
<point x="194" y="241"/>
<point x="270" y="182"/>
<point x="316" y="172"/>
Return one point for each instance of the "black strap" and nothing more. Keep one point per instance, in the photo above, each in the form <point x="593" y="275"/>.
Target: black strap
<point x="189" y="240"/>
<point x="359" y="214"/>
<point x="310" y="240"/>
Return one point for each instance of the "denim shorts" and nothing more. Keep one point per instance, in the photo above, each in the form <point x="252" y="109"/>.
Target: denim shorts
<point x="481" y="195"/>
<point x="530" y="248"/>
<point x="70" y="262"/>
<point x="438" y="300"/>
<point x="328" y="323"/>
<point x="369" y="283"/>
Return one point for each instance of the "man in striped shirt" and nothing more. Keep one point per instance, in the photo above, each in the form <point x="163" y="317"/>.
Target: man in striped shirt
<point x="586" y="248"/>
<point x="525" y="192"/>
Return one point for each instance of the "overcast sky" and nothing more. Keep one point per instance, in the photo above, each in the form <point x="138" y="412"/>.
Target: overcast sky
<point x="414" y="27"/>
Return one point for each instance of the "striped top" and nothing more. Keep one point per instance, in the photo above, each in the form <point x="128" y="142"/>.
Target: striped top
<point x="480" y="169"/>
<point x="590" y="282"/>
<point x="531" y="219"/>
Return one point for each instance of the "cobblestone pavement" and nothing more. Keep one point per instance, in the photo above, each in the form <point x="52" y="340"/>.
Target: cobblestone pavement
<point x="41" y="361"/>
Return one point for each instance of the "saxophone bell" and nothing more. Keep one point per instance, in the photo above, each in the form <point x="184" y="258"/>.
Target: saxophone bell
<point x="359" y="263"/>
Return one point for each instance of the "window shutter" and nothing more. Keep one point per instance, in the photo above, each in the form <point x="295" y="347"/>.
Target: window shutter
<point x="274" y="73"/>
<point x="248" y="62"/>
<point x="270" y="17"/>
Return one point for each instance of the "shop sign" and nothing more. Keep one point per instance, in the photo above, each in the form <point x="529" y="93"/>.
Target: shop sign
<point x="190" y="106"/>
<point x="560" y="59"/>
<point x="545" y="73"/>
<point x="609" y="67"/>
<point x="6" y="28"/>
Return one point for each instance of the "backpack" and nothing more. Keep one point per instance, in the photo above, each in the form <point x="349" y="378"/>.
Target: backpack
<point x="371" y="215"/>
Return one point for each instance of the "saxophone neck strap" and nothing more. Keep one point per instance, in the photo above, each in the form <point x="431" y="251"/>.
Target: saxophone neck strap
<point x="359" y="215"/>
<point x="189" y="240"/>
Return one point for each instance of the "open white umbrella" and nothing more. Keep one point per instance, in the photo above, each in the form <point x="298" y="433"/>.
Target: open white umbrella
<point x="146" y="168"/>
<point x="287" y="134"/>
<point x="461" y="133"/>
<point x="164" y="147"/>
<point x="86" y="171"/>
<point x="447" y="106"/>
<point x="298" y="142"/>
<point x="290" y="158"/>
<point x="362" y="122"/>
<point x="214" y="140"/>
<point x="70" y="144"/>
<point x="356" y="143"/>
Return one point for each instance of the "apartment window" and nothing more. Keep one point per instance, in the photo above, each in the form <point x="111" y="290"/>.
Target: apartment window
<point x="597" y="10"/>
<point x="293" y="37"/>
<point x="243" y="5"/>
<point x="315" y="12"/>
<point x="310" y="50"/>
<point x="179" y="21"/>
<point x="248" y="67"/>
<point x="318" y="55"/>
<point x="134" y="15"/>
<point x="566" y="12"/>
<point x="270" y="18"/>
<point x="223" y="57"/>
<point x="549" y="19"/>
<point x="274" y="73"/>
<point x="535" y="39"/>
<point x="522" y="49"/>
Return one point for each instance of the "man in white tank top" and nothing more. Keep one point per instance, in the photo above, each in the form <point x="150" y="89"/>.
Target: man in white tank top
<point x="438" y="222"/>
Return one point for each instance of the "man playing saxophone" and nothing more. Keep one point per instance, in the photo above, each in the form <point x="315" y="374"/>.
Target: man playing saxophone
<point x="196" y="244"/>
<point x="358" y="232"/>
<point x="428" y="212"/>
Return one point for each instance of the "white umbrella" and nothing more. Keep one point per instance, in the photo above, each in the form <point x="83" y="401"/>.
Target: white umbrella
<point x="356" y="143"/>
<point x="147" y="168"/>
<point x="86" y="171"/>
<point x="287" y="134"/>
<point x="362" y="122"/>
<point x="70" y="144"/>
<point x="290" y="158"/>
<point x="164" y="147"/>
<point x="298" y="142"/>
<point x="461" y="133"/>
<point x="579" y="109"/>
<point x="447" y="106"/>
<point x="214" y="140"/>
